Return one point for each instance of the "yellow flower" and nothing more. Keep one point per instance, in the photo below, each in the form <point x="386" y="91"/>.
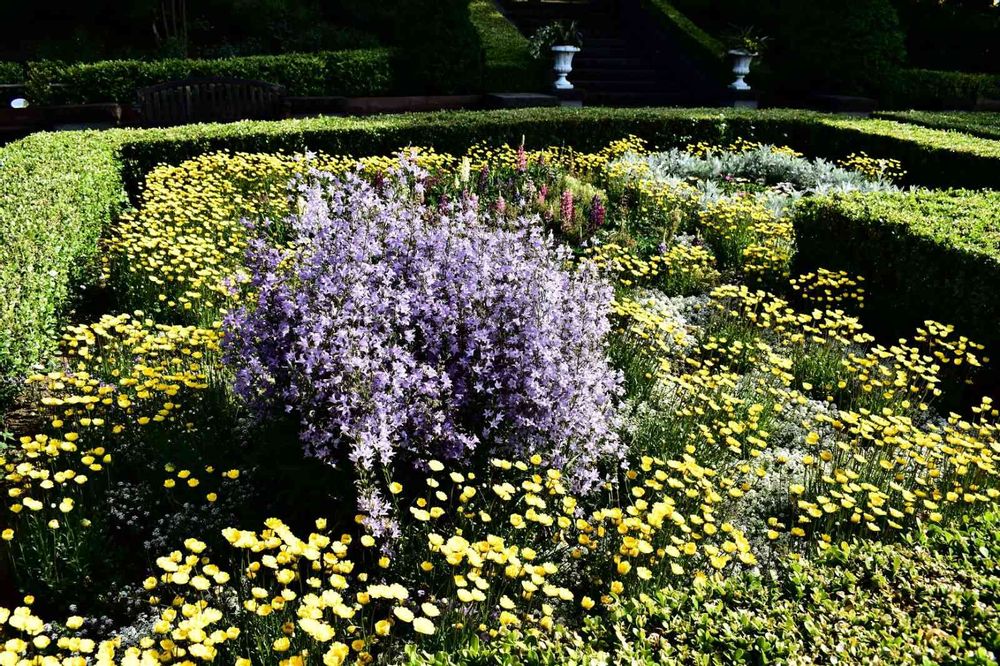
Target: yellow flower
<point x="422" y="625"/>
<point x="336" y="655"/>
<point x="282" y="644"/>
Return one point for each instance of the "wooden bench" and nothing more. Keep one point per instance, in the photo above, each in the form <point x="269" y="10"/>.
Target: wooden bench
<point x="210" y="100"/>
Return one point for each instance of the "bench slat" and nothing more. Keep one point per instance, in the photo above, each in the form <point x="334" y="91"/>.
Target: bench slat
<point x="207" y="100"/>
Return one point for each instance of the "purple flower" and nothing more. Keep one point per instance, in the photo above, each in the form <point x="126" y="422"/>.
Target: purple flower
<point x="397" y="333"/>
<point x="597" y="212"/>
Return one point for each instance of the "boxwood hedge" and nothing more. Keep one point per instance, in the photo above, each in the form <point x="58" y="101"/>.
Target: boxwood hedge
<point x="934" y="89"/>
<point x="356" y="72"/>
<point x="983" y="124"/>
<point x="925" y="255"/>
<point x="60" y="190"/>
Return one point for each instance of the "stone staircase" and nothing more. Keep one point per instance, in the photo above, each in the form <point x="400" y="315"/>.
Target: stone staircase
<point x="619" y="65"/>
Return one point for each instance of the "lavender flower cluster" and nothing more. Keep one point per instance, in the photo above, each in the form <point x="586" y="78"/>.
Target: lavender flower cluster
<point x="400" y="331"/>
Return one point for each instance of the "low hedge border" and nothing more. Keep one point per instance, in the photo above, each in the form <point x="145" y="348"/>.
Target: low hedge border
<point x="931" y="157"/>
<point x="60" y="190"/>
<point x="507" y="62"/>
<point x="933" y="89"/>
<point x="57" y="194"/>
<point x="983" y="124"/>
<point x="924" y="254"/>
<point x="355" y="72"/>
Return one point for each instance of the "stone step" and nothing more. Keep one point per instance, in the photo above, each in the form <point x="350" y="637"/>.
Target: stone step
<point x="590" y="51"/>
<point x="604" y="42"/>
<point x="583" y="61"/>
<point x="640" y="86"/>
<point x="678" y="98"/>
<point x="614" y="73"/>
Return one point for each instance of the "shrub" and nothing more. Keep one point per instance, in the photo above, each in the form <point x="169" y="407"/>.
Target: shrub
<point x="865" y="603"/>
<point x="931" y="89"/>
<point x="977" y="123"/>
<point x="58" y="192"/>
<point x="823" y="46"/>
<point x="360" y="72"/>
<point x="760" y="164"/>
<point x="924" y="255"/>
<point x="439" y="50"/>
<point x="406" y="334"/>
<point x="951" y="34"/>
<point x="11" y="72"/>
<point x="831" y="46"/>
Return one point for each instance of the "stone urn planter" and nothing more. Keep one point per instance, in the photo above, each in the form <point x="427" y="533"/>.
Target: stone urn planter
<point x="563" y="65"/>
<point x="741" y="67"/>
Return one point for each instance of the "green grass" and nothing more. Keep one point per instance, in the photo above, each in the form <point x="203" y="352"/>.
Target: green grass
<point x="508" y="66"/>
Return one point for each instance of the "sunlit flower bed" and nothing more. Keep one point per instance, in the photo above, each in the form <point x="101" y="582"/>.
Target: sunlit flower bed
<point x="506" y="407"/>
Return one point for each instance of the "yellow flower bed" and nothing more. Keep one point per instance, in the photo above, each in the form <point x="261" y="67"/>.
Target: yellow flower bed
<point x="508" y="551"/>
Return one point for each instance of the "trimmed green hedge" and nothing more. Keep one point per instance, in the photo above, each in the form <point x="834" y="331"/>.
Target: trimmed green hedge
<point x="983" y="124"/>
<point x="352" y="73"/>
<point x="59" y="190"/>
<point x="931" y="157"/>
<point x="932" y="89"/>
<point x="925" y="255"/>
<point x="57" y="193"/>
<point x="11" y="72"/>
<point x="507" y="63"/>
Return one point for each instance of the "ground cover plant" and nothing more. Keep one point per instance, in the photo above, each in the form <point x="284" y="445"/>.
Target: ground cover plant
<point x="504" y="406"/>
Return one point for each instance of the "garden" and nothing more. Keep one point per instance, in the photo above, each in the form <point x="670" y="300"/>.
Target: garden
<point x="594" y="386"/>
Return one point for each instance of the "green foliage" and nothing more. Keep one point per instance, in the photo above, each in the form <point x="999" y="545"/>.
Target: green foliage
<point x="931" y="157"/>
<point x="977" y="123"/>
<point x="11" y="72"/>
<point x="863" y="603"/>
<point x="837" y="47"/>
<point x="438" y="47"/>
<point x="932" y="89"/>
<point x="925" y="255"/>
<point x="358" y="72"/>
<point x="931" y="600"/>
<point x="60" y="190"/>
<point x="823" y="46"/>
<point x="119" y="29"/>
<point x="557" y="33"/>
<point x="951" y="34"/>
<point x="507" y="65"/>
